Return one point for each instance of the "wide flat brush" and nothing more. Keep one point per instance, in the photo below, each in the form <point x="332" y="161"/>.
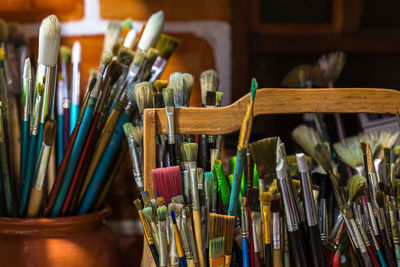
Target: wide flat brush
<point x="167" y="182"/>
<point x="241" y="151"/>
<point x="36" y="195"/>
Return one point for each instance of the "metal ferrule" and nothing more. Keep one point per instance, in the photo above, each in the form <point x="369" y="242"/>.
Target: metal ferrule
<point x="193" y="185"/>
<point x="211" y="138"/>
<point x="185" y="237"/>
<point x="137" y="172"/>
<point x="36" y="115"/>
<point x="207" y="217"/>
<point x="41" y="167"/>
<point x="49" y="73"/>
<point x="26" y="98"/>
<point x="255" y="237"/>
<point x="393" y="225"/>
<point x="133" y="73"/>
<point x="373" y="185"/>
<point x="374" y="225"/>
<point x="308" y="200"/>
<point x="99" y="79"/>
<point x="336" y="233"/>
<point x="276" y="234"/>
<point x="186" y="183"/>
<point x="146" y="228"/>
<point x="358" y="236"/>
<point x="169" y="111"/>
<point x="367" y="219"/>
<point x="356" y="210"/>
<point x="163" y="243"/>
<point x="292" y="196"/>
<point x="351" y="232"/>
<point x="323" y="219"/>
<point x="157" y="68"/>
<point x="173" y="254"/>
<point x="291" y="219"/>
<point x="244" y="222"/>
<point x="76" y="79"/>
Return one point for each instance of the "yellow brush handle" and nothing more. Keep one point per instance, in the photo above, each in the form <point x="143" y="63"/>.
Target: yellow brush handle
<point x="217" y="262"/>
<point x="197" y="232"/>
<point x="228" y="259"/>
<point x="34" y="203"/>
<point x="276" y="258"/>
<point x="190" y="263"/>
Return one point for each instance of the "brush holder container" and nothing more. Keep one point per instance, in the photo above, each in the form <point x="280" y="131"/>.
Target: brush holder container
<point x="66" y="241"/>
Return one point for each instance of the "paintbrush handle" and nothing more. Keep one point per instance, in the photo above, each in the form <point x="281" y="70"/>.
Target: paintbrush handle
<point x="6" y="181"/>
<point x="245" y="252"/>
<point x="257" y="259"/>
<point x="397" y="252"/>
<point x="24" y="146"/>
<point x="154" y="252"/>
<point x="60" y="139"/>
<point x="317" y="252"/>
<point x="60" y="172"/>
<point x="277" y="258"/>
<point x="268" y="255"/>
<point x="34" y="203"/>
<point x="237" y="180"/>
<point x="297" y="249"/>
<point x="371" y="254"/>
<point x="39" y="140"/>
<point x="387" y="250"/>
<point x="172" y="154"/>
<point x="74" y="115"/>
<point x="66" y="134"/>
<point x="198" y="237"/>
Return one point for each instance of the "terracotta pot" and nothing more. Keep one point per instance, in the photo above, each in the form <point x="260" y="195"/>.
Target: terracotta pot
<point x="68" y="241"/>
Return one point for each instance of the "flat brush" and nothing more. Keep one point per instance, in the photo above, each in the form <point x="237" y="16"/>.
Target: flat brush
<point x="36" y="195"/>
<point x="241" y="151"/>
<point x="64" y="163"/>
<point x="168" y="97"/>
<point x="167" y="182"/>
<point x="151" y="219"/>
<point x="217" y="252"/>
<point x="147" y="232"/>
<point x="166" y="45"/>
<point x="162" y="235"/>
<point x="310" y="212"/>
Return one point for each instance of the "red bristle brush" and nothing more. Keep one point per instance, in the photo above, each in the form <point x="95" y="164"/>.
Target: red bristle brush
<point x="167" y="182"/>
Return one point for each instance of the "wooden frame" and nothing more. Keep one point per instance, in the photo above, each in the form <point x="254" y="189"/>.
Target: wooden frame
<point x="268" y="101"/>
<point x="335" y="26"/>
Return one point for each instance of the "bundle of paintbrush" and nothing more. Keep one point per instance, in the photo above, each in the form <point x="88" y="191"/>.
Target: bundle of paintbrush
<point x="88" y="134"/>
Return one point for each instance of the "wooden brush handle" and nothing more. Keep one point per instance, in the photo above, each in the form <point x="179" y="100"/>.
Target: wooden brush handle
<point x="199" y="240"/>
<point x="277" y="258"/>
<point x="257" y="259"/>
<point x="34" y="203"/>
<point x="190" y="262"/>
<point x="15" y="136"/>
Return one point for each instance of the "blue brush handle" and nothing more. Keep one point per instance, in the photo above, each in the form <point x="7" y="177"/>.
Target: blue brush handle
<point x="397" y="251"/>
<point x="182" y="262"/>
<point x="381" y="258"/>
<point x="112" y="107"/>
<point x="74" y="111"/>
<point x="28" y="175"/>
<point x="24" y="146"/>
<point x="237" y="180"/>
<point x="76" y="152"/>
<point x="60" y="139"/>
<point x="104" y="164"/>
<point x="38" y="143"/>
<point x="245" y="252"/>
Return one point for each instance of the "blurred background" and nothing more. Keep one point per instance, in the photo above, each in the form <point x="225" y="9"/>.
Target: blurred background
<point x="239" y="39"/>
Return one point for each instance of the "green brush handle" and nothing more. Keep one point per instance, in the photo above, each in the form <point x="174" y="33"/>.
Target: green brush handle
<point x="222" y="183"/>
<point x="237" y="179"/>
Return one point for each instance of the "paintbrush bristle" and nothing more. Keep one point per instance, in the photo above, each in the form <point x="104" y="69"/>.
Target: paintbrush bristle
<point x="114" y="71"/>
<point x="324" y="158"/>
<point x="331" y="65"/>
<point x="263" y="153"/>
<point x="210" y="99"/>
<point x="151" y="55"/>
<point x="178" y="199"/>
<point x="167" y="182"/>
<point x="307" y="138"/>
<point x="162" y="213"/>
<point x="49" y="132"/>
<point x="177" y="83"/>
<point x="3" y="31"/>
<point x="217" y="247"/>
<point x="349" y="151"/>
<point x="128" y="129"/>
<point x="148" y="213"/>
<point x="209" y="81"/>
<point x="27" y="69"/>
<point x="140" y="59"/>
<point x="253" y="89"/>
<point x="305" y="75"/>
<point x="229" y="223"/>
<point x="356" y="185"/>
<point x="137" y="133"/>
<point x="160" y="201"/>
<point x="125" y="56"/>
<point x="138" y="204"/>
<point x="189" y="82"/>
<point x="266" y="198"/>
<point x="168" y="96"/>
<point x="160" y="85"/>
<point x="370" y="160"/>
<point x="49" y="41"/>
<point x="252" y="195"/>
<point x="112" y="35"/>
<point x="275" y="203"/>
<point x="152" y="31"/>
<point x="218" y="98"/>
<point x="189" y="151"/>
<point x="167" y="45"/>
<point x="65" y="54"/>
<point x="144" y="96"/>
<point x="105" y="58"/>
<point x="380" y="198"/>
<point x="384" y="138"/>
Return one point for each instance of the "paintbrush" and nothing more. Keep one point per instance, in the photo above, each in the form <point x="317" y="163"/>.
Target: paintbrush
<point x="166" y="45"/>
<point x="112" y="35"/>
<point x="151" y="56"/>
<point x="90" y="192"/>
<point x="254" y="213"/>
<point x="147" y="231"/>
<point x="265" y="199"/>
<point x="26" y="102"/>
<point x="182" y="222"/>
<point x="60" y="118"/>
<point x="245" y="232"/>
<point x="189" y="150"/>
<point x="384" y="138"/>
<point x="294" y="233"/>
<point x="162" y="235"/>
<point x="36" y="195"/>
<point x="76" y="80"/>
<point x="149" y="215"/>
<point x="395" y="233"/>
<point x="130" y="38"/>
<point x="152" y="31"/>
<point x="7" y="186"/>
<point x="181" y="255"/>
<point x="209" y="82"/>
<point x="167" y="182"/>
<point x="168" y="97"/>
<point x="222" y="183"/>
<point x="244" y="136"/>
<point x="307" y="138"/>
<point x="276" y="232"/>
<point x="310" y="212"/>
<point x="371" y="178"/>
<point x="65" y="161"/>
<point x="65" y="56"/>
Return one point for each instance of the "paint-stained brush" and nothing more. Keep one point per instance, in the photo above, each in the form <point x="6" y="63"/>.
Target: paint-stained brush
<point x="152" y="31"/>
<point x="166" y="45"/>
